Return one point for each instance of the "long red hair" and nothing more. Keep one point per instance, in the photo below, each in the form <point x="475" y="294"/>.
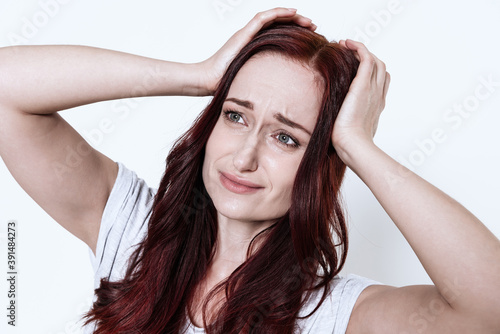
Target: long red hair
<point x="298" y="254"/>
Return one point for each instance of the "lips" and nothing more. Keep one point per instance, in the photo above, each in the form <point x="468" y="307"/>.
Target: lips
<point x="238" y="185"/>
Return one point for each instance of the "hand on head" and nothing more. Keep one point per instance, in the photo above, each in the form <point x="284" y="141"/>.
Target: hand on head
<point x="214" y="67"/>
<point x="360" y="112"/>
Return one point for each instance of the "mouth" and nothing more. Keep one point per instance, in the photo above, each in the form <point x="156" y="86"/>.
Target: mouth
<point x="237" y="185"/>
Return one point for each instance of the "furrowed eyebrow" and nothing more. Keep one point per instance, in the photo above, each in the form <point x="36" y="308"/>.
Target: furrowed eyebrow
<point x="243" y="103"/>
<point x="279" y="117"/>
<point x="290" y="123"/>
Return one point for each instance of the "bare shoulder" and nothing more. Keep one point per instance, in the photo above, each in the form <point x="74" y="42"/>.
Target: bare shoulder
<point x="409" y="309"/>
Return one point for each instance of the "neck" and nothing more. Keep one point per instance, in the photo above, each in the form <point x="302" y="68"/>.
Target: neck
<point x="233" y="239"/>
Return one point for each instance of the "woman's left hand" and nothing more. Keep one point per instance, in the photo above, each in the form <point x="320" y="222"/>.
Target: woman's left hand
<point x="358" y="117"/>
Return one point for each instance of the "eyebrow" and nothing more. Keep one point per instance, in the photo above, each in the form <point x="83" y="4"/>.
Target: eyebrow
<point x="279" y="117"/>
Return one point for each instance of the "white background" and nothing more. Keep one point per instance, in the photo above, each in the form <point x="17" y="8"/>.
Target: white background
<point x="436" y="52"/>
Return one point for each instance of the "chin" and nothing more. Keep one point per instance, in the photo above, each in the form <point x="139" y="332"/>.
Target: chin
<point x="247" y="212"/>
<point x="235" y="211"/>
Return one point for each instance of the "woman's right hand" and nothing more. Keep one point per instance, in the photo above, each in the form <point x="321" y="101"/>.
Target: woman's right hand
<point x="214" y="67"/>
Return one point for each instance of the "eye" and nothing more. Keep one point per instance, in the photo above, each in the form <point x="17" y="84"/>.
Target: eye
<point x="233" y="116"/>
<point x="287" y="140"/>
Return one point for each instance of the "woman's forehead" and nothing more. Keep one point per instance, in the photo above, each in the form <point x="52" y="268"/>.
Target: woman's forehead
<point x="276" y="83"/>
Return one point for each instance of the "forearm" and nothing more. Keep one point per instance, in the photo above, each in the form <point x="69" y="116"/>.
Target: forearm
<point x="46" y="79"/>
<point x="459" y="253"/>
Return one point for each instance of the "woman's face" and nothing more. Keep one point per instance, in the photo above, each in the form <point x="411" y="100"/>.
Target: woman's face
<point x="254" y="151"/>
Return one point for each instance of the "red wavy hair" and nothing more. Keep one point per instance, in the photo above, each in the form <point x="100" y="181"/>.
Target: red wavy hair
<point x="299" y="254"/>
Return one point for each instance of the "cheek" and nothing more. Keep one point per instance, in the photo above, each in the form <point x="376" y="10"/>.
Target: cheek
<point x="209" y="155"/>
<point x="282" y="171"/>
<point x="217" y="146"/>
<point x="214" y="143"/>
<point x="218" y="139"/>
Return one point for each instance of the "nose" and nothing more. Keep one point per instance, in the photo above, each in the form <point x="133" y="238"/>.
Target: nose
<point x="245" y="158"/>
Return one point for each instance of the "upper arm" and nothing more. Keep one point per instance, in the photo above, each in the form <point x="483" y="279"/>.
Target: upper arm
<point x="409" y="309"/>
<point x="69" y="179"/>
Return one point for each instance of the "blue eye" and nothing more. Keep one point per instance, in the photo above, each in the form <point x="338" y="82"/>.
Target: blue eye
<point x="233" y="116"/>
<point x="286" y="139"/>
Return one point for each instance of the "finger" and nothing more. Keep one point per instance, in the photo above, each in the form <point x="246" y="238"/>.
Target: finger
<point x="342" y="42"/>
<point x="267" y="17"/>
<point x="303" y="21"/>
<point x="263" y="19"/>
<point x="374" y="129"/>
<point x="368" y="59"/>
<point x="386" y="83"/>
<point x="381" y="71"/>
<point x="376" y="69"/>
<point x="297" y="19"/>
<point x="367" y="63"/>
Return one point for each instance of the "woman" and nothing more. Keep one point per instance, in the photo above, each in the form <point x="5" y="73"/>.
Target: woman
<point x="267" y="183"/>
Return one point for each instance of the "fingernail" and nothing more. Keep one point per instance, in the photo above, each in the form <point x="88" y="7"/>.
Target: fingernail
<point x="292" y="9"/>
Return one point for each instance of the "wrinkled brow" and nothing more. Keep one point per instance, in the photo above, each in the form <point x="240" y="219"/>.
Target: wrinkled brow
<point x="279" y="117"/>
